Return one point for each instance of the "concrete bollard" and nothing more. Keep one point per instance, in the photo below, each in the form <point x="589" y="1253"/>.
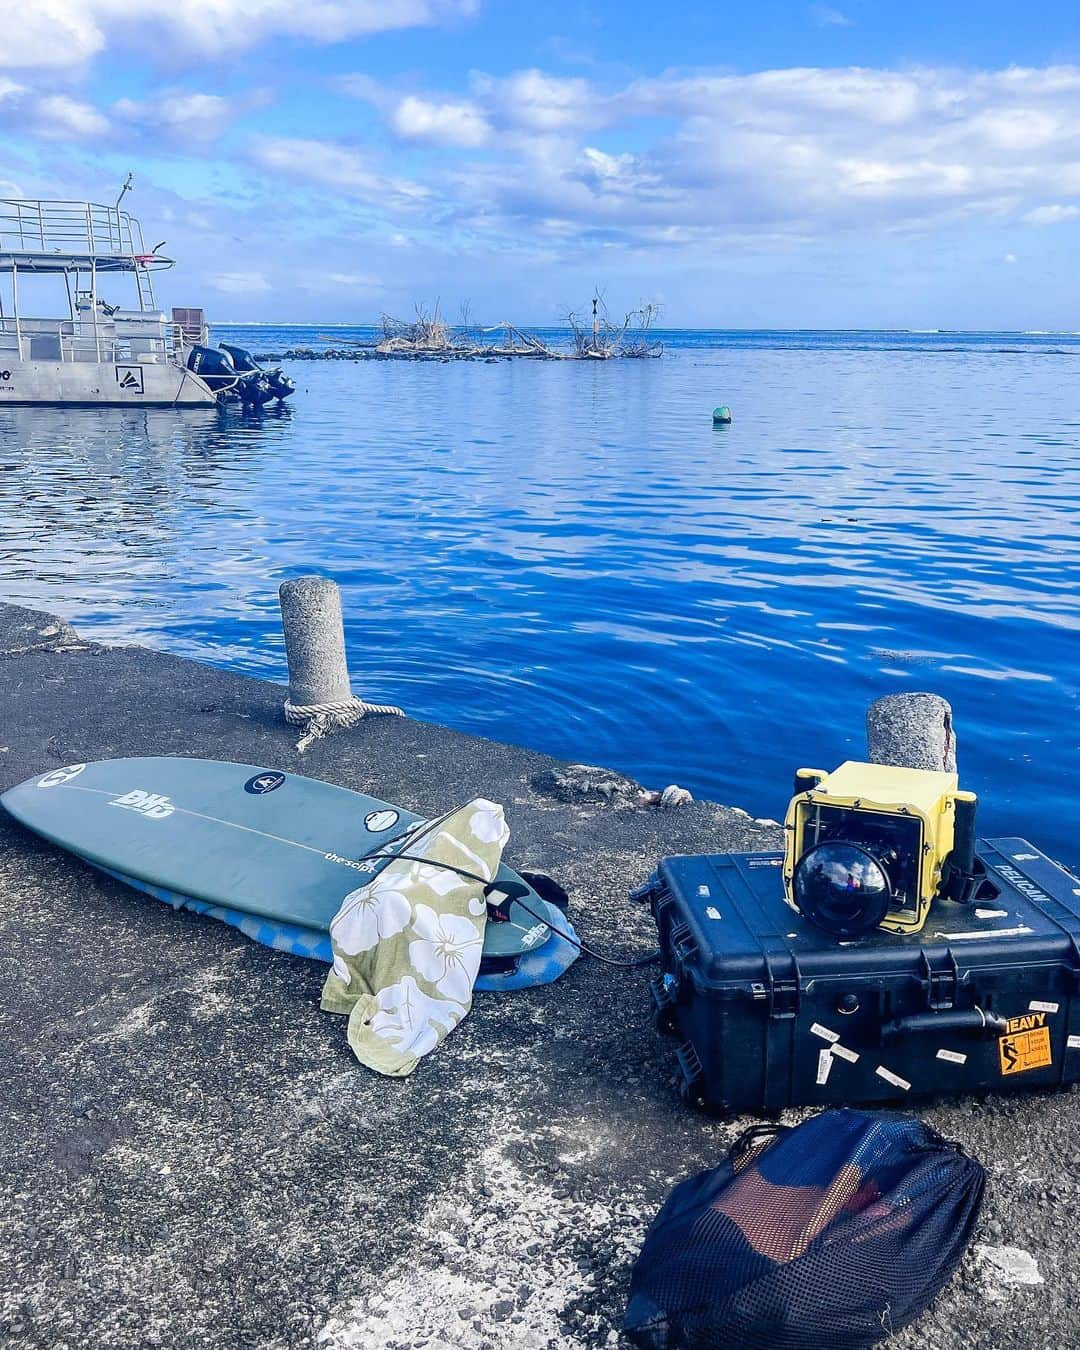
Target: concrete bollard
<point x="912" y="731"/>
<point x="314" y="641"/>
<point x="320" y="697"/>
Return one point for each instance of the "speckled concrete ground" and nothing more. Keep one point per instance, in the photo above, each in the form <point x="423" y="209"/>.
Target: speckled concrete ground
<point x="194" y="1158"/>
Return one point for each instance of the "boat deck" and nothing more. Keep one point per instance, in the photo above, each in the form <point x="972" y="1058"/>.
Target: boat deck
<point x="62" y="236"/>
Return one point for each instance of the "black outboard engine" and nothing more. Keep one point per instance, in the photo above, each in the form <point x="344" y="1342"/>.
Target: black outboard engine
<point x="235" y="378"/>
<point x="241" y="359"/>
<point x="280" y="385"/>
<point x="216" y="368"/>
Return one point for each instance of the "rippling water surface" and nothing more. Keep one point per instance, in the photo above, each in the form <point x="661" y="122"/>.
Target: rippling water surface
<point x="570" y="556"/>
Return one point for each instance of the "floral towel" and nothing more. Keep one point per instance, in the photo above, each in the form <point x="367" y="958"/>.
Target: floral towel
<point x="407" y="945"/>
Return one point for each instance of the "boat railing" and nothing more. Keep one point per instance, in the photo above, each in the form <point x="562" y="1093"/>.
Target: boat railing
<point x="67" y="340"/>
<point x="81" y="229"/>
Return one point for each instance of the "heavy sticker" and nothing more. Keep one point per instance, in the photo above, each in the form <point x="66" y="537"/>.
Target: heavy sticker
<point x="1025" y="1045"/>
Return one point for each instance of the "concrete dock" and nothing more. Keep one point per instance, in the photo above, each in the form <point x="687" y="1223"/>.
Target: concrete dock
<point x="193" y="1157"/>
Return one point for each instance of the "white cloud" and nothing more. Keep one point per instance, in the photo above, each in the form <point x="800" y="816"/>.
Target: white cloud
<point x="1009" y="258"/>
<point x="793" y="152"/>
<point x="240" y="283"/>
<point x="688" y="159"/>
<point x="51" y="34"/>
<point x="342" y="168"/>
<point x="321" y="283"/>
<point x="1051" y="215"/>
<point x="535" y="101"/>
<point x="827" y="17"/>
<point x="449" y="124"/>
<point x="187" y="117"/>
<point x="53" y="116"/>
<point x="57" y="115"/>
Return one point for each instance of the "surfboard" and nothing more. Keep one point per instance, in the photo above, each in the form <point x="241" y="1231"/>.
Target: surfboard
<point x="237" y="837"/>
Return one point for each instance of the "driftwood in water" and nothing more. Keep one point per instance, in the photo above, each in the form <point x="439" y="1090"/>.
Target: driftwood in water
<point x="429" y="337"/>
<point x="606" y="339"/>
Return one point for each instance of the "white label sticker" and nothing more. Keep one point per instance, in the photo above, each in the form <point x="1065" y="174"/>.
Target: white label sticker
<point x="985" y="933"/>
<point x="704" y="891"/>
<point x="952" y="1056"/>
<point x="991" y="913"/>
<point x="824" y="1065"/>
<point x="1073" y="1042"/>
<point x="845" y="1053"/>
<point x="826" y="1035"/>
<point x="893" y="1078"/>
<point x="1036" y="1006"/>
<point x="375" y="822"/>
<point x="711" y="912"/>
<point x="56" y="777"/>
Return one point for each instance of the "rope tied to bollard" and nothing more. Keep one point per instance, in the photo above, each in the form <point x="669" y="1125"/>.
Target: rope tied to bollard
<point x="318" y="719"/>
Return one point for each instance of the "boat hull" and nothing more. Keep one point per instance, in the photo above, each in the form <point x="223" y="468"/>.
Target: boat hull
<point x="101" y="384"/>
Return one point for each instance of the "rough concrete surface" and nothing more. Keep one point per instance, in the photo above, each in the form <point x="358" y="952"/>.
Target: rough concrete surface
<point x="194" y="1158"/>
<point x="314" y="641"/>
<point x="913" y="730"/>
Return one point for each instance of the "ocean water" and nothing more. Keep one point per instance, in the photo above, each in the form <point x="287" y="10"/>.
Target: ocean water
<point x="570" y="556"/>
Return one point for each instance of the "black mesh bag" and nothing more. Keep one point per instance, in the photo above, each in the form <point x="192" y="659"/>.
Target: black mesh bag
<point x="832" y="1234"/>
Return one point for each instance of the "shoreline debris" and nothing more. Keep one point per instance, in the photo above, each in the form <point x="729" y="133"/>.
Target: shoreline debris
<point x="430" y="337"/>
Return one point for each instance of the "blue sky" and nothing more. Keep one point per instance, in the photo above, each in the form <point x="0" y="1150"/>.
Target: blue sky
<point x="776" y="164"/>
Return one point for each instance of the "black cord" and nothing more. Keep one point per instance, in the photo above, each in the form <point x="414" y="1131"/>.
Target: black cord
<point x="590" y="951"/>
<point x="540" y="918"/>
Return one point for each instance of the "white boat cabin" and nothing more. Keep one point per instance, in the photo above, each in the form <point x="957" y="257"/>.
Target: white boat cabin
<point x="58" y="253"/>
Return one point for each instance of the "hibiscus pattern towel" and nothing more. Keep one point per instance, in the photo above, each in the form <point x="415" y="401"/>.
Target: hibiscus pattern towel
<point x="407" y="945"/>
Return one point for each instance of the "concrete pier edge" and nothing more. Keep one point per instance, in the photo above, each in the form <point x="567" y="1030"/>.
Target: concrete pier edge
<point x="194" y="1157"/>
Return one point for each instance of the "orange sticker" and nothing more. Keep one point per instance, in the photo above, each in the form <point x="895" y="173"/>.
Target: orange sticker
<point x="1025" y="1050"/>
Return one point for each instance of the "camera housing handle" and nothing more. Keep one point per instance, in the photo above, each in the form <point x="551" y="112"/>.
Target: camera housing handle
<point x="961" y="880"/>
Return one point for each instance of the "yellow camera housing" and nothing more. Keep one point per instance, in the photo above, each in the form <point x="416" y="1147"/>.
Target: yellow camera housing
<point x="895" y="833"/>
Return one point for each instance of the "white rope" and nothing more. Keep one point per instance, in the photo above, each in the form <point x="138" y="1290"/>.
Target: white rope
<point x="318" y="719"/>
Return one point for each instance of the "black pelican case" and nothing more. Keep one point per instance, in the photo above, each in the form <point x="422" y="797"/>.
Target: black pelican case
<point x="770" y="1011"/>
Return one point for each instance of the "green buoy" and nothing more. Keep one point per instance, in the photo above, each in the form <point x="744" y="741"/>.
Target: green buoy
<point x="722" y="415"/>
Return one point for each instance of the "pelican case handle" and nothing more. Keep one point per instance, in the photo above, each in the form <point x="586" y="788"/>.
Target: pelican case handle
<point x="972" y="1020"/>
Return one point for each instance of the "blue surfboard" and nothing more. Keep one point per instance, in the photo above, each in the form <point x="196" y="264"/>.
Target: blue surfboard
<point x="243" y="840"/>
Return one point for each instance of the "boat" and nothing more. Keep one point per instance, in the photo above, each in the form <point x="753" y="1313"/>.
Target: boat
<point x="100" y="353"/>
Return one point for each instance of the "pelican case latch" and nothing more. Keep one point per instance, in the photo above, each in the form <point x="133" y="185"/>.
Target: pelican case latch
<point x="940" y="981"/>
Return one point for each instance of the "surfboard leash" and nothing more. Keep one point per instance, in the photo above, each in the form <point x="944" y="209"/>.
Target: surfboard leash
<point x="516" y="899"/>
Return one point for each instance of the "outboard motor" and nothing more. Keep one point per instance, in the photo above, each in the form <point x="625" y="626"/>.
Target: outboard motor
<point x="254" y="389"/>
<point x="216" y="368"/>
<point x="237" y="381"/>
<point x="280" y="385"/>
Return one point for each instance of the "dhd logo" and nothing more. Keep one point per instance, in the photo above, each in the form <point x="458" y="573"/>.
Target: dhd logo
<point x="149" y="804"/>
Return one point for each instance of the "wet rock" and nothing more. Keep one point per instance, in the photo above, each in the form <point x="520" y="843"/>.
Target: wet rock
<point x="30" y="630"/>
<point x="587" y="783"/>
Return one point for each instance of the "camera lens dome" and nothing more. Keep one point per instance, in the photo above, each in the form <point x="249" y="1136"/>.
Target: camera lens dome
<point x="842" y="888"/>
